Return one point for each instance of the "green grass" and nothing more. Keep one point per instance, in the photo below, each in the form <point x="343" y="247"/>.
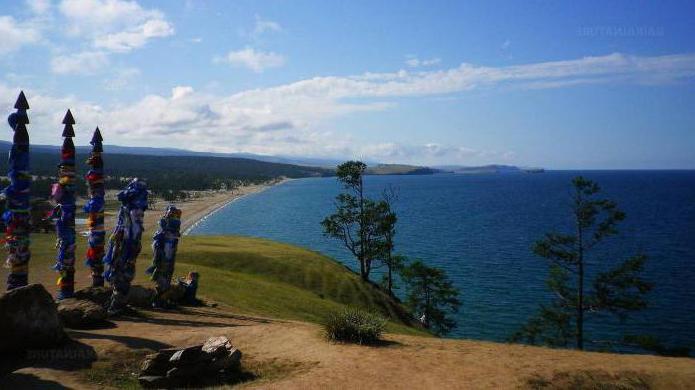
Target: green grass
<point x="279" y="280"/>
<point x="252" y="276"/>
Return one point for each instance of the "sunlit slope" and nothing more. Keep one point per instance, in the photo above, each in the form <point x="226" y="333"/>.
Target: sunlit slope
<point x="280" y="280"/>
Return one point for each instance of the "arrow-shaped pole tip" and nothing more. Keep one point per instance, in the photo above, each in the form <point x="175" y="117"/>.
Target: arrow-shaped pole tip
<point x="68" y="119"/>
<point x="97" y="136"/>
<point x="21" y="103"/>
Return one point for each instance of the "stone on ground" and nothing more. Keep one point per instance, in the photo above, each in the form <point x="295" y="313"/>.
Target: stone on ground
<point x="174" y="367"/>
<point x="139" y="296"/>
<point x="29" y="320"/>
<point x="81" y="314"/>
<point x="98" y="295"/>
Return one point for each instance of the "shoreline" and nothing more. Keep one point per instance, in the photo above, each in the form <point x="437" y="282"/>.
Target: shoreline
<point x="198" y="210"/>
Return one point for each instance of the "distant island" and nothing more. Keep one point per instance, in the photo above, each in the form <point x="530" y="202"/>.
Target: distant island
<point x="403" y="169"/>
<point x="484" y="169"/>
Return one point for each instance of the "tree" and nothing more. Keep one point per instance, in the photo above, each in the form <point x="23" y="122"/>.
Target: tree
<point x="387" y="229"/>
<point x="617" y="291"/>
<point x="356" y="221"/>
<point x="431" y="295"/>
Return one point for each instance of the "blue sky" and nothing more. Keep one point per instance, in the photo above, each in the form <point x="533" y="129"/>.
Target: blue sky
<point x="545" y="83"/>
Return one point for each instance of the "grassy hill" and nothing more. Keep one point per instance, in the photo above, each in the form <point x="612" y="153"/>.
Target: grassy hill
<point x="264" y="277"/>
<point x="250" y="275"/>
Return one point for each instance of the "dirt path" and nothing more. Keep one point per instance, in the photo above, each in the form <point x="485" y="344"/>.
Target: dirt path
<point x="293" y="355"/>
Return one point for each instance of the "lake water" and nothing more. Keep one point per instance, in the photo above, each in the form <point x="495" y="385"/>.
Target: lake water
<point x="480" y="229"/>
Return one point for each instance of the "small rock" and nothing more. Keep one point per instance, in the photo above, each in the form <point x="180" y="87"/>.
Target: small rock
<point x="231" y="361"/>
<point x="155" y="364"/>
<point x="29" y="320"/>
<point x="80" y="314"/>
<point x="188" y="356"/>
<point x="191" y="365"/>
<point x="217" y="346"/>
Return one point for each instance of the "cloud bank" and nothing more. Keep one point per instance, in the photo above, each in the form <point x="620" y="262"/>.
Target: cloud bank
<point x="294" y="118"/>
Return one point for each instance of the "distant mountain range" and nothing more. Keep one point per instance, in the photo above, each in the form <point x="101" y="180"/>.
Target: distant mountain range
<point x="149" y="151"/>
<point x="375" y="168"/>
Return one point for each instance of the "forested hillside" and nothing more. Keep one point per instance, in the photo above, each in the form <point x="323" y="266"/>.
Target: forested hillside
<point x="170" y="173"/>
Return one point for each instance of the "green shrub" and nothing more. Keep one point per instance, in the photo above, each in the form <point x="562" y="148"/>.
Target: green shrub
<point x="354" y="325"/>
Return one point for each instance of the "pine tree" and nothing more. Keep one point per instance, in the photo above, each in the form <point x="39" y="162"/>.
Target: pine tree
<point x="387" y="230"/>
<point x="431" y="296"/>
<point x="617" y="291"/>
<point x="356" y="220"/>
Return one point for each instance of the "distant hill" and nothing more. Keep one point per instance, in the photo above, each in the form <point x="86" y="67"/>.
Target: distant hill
<point x="150" y="151"/>
<point x="399" y="169"/>
<point x="164" y="172"/>
<point x="493" y="168"/>
<point x="209" y="168"/>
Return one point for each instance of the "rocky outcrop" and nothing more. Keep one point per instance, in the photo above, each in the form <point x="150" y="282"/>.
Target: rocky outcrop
<point x="139" y="296"/>
<point x="98" y="295"/>
<point x="29" y="320"/>
<point x="81" y="313"/>
<point x="174" y="367"/>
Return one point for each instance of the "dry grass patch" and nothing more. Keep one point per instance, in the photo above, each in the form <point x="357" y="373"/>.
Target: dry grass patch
<point x="591" y="379"/>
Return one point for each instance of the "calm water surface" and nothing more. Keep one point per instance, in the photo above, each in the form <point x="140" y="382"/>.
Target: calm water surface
<point x="480" y="229"/>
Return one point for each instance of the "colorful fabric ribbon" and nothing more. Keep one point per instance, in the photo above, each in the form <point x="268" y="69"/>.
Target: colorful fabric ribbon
<point x="125" y="243"/>
<point x="17" y="215"/>
<point x="95" y="211"/>
<point x="164" y="245"/>
<point x="63" y="192"/>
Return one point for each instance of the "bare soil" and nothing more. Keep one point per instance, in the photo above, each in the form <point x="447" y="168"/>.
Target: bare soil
<point x="295" y="355"/>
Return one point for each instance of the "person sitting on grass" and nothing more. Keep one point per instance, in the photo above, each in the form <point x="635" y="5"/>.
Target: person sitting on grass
<point x="190" y="286"/>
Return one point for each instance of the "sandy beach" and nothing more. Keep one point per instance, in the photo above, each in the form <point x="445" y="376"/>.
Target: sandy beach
<point x="199" y="208"/>
<point x="194" y="209"/>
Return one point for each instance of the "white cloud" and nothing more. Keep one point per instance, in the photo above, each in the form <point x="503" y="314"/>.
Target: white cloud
<point x="88" y="62"/>
<point x="252" y="59"/>
<point x="125" y="41"/>
<point x="14" y="35"/>
<point x="293" y="119"/>
<point x="122" y="78"/>
<point x="39" y="6"/>
<point x="116" y="25"/>
<point x="181" y="92"/>
<point x="415" y="62"/>
<point x="262" y="26"/>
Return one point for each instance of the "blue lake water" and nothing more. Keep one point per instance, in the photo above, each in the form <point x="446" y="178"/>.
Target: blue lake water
<point x="480" y="229"/>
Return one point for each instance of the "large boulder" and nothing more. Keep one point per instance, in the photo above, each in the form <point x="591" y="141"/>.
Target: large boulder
<point x="193" y="365"/>
<point x="98" y="295"/>
<point x="29" y="320"/>
<point x="139" y="296"/>
<point x="81" y="314"/>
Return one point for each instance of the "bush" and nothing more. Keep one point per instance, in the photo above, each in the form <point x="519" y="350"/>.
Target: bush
<point x="355" y="326"/>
